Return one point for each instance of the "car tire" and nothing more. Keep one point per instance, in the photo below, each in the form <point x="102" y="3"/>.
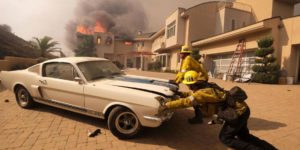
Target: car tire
<point x="24" y="98"/>
<point x="123" y="123"/>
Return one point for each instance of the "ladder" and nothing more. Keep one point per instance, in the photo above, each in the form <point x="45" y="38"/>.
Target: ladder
<point x="237" y="57"/>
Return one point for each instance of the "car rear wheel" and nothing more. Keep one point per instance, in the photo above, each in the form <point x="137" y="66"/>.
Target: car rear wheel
<point x="23" y="97"/>
<point x="123" y="123"/>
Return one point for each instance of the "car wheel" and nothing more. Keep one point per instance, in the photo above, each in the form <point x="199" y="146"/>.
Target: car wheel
<point x="23" y="97"/>
<point x="123" y="123"/>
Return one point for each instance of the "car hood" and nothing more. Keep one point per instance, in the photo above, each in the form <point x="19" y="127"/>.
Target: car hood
<point x="152" y="85"/>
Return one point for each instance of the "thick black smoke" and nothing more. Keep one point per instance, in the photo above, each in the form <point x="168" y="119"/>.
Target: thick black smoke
<point x="121" y="17"/>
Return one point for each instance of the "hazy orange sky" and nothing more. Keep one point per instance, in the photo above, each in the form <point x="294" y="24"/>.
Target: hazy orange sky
<point x="37" y="18"/>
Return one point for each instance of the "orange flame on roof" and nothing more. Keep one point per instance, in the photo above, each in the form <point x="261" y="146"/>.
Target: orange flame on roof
<point x="99" y="27"/>
<point x="91" y="30"/>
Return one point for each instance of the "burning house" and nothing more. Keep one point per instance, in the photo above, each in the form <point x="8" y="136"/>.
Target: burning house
<point x="103" y="40"/>
<point x="112" y="27"/>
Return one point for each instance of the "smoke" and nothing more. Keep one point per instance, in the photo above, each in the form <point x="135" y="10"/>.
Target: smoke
<point x="121" y="17"/>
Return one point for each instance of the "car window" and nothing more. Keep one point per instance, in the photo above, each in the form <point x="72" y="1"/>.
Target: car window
<point x="93" y="70"/>
<point x="60" y="71"/>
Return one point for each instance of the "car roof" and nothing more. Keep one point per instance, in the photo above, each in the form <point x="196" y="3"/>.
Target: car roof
<point x="75" y="60"/>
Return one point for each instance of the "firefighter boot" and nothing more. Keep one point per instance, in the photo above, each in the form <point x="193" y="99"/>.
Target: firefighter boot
<point x="198" y="119"/>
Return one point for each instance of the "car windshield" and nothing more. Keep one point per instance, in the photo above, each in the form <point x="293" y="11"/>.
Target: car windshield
<point x="94" y="70"/>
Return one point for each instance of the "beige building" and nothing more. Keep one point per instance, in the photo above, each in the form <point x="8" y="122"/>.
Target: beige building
<point x="276" y="20"/>
<point x="216" y="27"/>
<point x="186" y="25"/>
<point x="129" y="53"/>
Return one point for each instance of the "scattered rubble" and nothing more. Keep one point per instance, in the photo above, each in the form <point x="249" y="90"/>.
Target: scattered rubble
<point x="94" y="133"/>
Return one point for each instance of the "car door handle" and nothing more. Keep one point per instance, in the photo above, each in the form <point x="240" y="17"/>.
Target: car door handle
<point x="43" y="82"/>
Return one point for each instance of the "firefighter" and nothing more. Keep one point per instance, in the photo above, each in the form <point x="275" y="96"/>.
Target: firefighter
<point x="189" y="63"/>
<point x="234" y="134"/>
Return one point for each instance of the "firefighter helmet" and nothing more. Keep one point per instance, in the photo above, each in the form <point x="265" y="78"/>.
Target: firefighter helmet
<point x="190" y="77"/>
<point x="185" y="49"/>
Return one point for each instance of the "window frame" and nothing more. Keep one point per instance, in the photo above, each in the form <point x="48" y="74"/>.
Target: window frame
<point x="171" y="29"/>
<point x="75" y="72"/>
<point x="233" y="26"/>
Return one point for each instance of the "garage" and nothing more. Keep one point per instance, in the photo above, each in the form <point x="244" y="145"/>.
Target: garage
<point x="220" y="64"/>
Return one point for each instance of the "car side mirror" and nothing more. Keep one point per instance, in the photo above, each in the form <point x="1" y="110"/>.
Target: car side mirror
<point x="78" y="79"/>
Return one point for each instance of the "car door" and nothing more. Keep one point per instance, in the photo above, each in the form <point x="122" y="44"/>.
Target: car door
<point x="57" y="84"/>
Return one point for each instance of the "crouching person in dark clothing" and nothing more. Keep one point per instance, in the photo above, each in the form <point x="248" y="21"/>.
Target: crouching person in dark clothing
<point x="236" y="135"/>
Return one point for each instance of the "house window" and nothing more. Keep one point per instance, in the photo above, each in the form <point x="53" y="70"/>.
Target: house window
<point x="233" y="24"/>
<point x="163" y="60"/>
<point x="98" y="40"/>
<point x="171" y="29"/>
<point x="142" y="44"/>
<point x="108" y="41"/>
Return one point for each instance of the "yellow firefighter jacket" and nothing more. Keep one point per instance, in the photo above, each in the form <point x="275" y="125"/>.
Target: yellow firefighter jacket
<point x="188" y="64"/>
<point x="203" y="96"/>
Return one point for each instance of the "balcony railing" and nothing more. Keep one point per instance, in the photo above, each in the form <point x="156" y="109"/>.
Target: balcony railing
<point x="159" y="44"/>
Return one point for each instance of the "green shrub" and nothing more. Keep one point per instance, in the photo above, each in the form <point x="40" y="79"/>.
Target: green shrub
<point x="265" y="42"/>
<point x="155" y="66"/>
<point x="258" y="68"/>
<point x="262" y="77"/>
<point x="266" y="69"/>
<point x="264" y="51"/>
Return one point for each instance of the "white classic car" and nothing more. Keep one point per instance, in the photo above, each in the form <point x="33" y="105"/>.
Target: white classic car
<point x="94" y="87"/>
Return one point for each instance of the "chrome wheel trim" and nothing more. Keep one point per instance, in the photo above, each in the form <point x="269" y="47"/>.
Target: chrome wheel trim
<point x="126" y="122"/>
<point x="23" y="97"/>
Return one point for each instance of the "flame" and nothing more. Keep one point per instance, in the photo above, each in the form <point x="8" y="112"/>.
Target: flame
<point x="127" y="43"/>
<point x="91" y="30"/>
<point x="99" y="27"/>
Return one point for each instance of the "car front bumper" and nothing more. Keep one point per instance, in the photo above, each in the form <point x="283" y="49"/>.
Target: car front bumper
<point x="157" y="120"/>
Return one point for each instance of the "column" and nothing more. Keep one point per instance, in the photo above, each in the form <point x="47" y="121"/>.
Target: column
<point x="142" y="60"/>
<point x="125" y="61"/>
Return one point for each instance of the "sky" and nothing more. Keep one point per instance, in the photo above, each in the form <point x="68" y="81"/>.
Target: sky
<point x="37" y="18"/>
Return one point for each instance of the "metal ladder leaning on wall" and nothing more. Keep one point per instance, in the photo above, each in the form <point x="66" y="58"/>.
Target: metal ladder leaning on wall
<point x="236" y="71"/>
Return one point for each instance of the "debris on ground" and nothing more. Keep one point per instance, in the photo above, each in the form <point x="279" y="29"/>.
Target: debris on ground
<point x="6" y="100"/>
<point x="94" y="133"/>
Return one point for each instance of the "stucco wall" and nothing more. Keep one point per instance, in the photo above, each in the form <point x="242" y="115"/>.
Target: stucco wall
<point x="11" y="62"/>
<point x="290" y="38"/>
<point x="282" y="9"/>
<point x="262" y="9"/>
<point x="146" y="48"/>
<point x="121" y="48"/>
<point x="229" y="45"/>
<point x="241" y="19"/>
<point x="220" y="21"/>
<point x="202" y="21"/>
<point x="174" y="60"/>
<point x="158" y="43"/>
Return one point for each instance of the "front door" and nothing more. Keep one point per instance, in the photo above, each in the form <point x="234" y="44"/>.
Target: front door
<point x="58" y="85"/>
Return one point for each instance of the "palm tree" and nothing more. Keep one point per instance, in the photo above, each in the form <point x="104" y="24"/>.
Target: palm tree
<point x="45" y="45"/>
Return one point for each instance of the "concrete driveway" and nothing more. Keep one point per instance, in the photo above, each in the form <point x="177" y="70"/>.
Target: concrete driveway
<point x="274" y="118"/>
